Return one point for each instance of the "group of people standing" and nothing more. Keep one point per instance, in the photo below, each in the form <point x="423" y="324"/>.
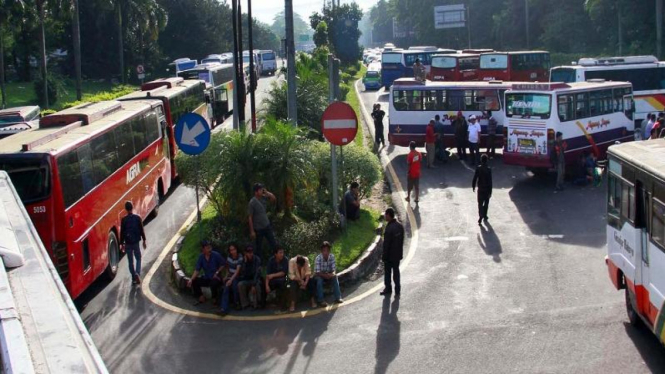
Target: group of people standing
<point x="653" y="127"/>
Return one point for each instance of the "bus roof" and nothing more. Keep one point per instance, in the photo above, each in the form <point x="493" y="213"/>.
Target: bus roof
<point x="412" y="83"/>
<point x="18" y="111"/>
<point x="54" y="139"/>
<point x="512" y="53"/>
<point x="167" y="91"/>
<point x="648" y="155"/>
<point x="208" y="67"/>
<point x="457" y="55"/>
<point x="564" y="87"/>
<point x="46" y="333"/>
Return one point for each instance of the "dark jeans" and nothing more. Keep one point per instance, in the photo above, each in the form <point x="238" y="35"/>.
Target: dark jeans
<point x="227" y="293"/>
<point x="296" y="291"/>
<point x="134" y="252"/>
<point x="378" y="135"/>
<point x="461" y="148"/>
<point x="483" y="204"/>
<point x="279" y="285"/>
<point x="392" y="267"/>
<point x="270" y="236"/>
<point x="213" y="283"/>
<point x="490" y="145"/>
<point x="473" y="152"/>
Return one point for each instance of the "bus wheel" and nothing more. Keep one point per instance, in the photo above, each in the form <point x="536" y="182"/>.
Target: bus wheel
<point x="630" y="310"/>
<point x="113" y="256"/>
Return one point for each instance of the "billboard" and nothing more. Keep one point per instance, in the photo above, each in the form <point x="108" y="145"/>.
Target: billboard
<point x="449" y="16"/>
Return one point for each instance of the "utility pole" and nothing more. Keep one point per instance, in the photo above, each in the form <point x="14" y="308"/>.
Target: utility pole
<point x="526" y="22"/>
<point x="76" y="34"/>
<point x="659" y="28"/>
<point x="237" y="66"/>
<point x="292" y="108"/>
<point x="242" y="99"/>
<point x="252" y="73"/>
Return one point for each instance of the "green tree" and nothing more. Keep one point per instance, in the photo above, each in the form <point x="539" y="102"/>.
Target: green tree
<point x="300" y="27"/>
<point x="6" y="7"/>
<point x="343" y="29"/>
<point x="321" y="34"/>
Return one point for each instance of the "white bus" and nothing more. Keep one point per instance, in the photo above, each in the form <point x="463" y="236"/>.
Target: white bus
<point x="413" y="104"/>
<point x="646" y="73"/>
<point x="590" y="115"/>
<point x="636" y="230"/>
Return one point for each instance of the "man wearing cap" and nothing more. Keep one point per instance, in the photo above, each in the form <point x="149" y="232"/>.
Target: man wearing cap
<point x="207" y="273"/>
<point x="259" y="224"/>
<point x="474" y="139"/>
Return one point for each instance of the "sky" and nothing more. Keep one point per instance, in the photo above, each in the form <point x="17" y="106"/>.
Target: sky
<point x="265" y="10"/>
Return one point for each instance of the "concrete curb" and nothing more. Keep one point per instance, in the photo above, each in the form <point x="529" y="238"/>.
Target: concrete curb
<point x="361" y="268"/>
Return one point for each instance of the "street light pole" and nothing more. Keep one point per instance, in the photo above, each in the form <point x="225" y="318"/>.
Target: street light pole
<point x="237" y="76"/>
<point x="242" y="99"/>
<point x="292" y="109"/>
<point x="252" y="73"/>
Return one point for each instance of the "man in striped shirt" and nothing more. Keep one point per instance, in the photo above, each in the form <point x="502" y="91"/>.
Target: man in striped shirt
<point x="324" y="271"/>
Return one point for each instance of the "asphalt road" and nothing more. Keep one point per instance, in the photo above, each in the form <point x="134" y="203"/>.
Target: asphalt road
<point x="527" y="293"/>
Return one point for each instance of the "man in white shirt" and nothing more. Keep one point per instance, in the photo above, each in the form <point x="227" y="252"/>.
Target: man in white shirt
<point x="474" y="139"/>
<point x="647" y="125"/>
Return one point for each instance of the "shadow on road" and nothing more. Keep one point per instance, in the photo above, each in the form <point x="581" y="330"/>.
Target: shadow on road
<point x="387" y="336"/>
<point x="647" y="344"/>
<point x="489" y="241"/>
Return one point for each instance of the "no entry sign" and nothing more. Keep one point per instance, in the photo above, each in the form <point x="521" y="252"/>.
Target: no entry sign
<point x="339" y="123"/>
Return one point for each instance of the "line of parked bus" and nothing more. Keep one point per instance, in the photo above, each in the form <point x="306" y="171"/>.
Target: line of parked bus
<point x="76" y="169"/>
<point x="465" y="65"/>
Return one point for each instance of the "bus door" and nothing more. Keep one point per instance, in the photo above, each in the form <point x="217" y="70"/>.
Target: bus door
<point x="628" y="110"/>
<point x="220" y="105"/>
<point x="642" y="199"/>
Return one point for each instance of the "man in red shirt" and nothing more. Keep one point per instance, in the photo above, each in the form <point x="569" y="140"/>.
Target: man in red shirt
<point x="430" y="143"/>
<point x="413" y="160"/>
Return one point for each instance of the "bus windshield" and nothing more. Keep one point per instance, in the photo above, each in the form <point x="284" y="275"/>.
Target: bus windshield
<point x="391" y="58"/>
<point x="444" y="62"/>
<point x="494" y="61"/>
<point x="4" y="120"/>
<point x="268" y="56"/>
<point x="528" y="105"/>
<point x="563" y="75"/>
<point x="30" y="177"/>
<point x="372" y="74"/>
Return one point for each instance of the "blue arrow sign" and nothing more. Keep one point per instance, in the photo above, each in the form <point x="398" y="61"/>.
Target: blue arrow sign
<point x="192" y="134"/>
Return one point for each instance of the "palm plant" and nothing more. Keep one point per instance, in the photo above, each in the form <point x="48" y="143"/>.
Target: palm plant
<point x="5" y="13"/>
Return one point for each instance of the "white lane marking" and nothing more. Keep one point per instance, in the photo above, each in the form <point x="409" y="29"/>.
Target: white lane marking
<point x="456" y="239"/>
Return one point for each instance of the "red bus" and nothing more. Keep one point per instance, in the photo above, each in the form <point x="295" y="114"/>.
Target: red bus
<point x="525" y="66"/>
<point x="455" y="68"/>
<point x="75" y="173"/>
<point x="178" y="97"/>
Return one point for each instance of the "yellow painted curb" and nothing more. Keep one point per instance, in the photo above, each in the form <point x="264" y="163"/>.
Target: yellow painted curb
<point x="145" y="287"/>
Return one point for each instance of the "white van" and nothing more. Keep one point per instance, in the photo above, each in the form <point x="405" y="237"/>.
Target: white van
<point x="268" y="62"/>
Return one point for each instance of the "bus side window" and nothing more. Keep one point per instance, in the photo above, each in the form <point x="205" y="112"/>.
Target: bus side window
<point x="565" y="108"/>
<point x="581" y="106"/>
<point x="658" y="222"/>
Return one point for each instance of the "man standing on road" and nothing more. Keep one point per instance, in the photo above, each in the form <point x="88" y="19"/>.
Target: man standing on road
<point x="393" y="252"/>
<point x="439" y="129"/>
<point x="377" y="115"/>
<point x="207" y="272"/>
<point x="483" y="179"/>
<point x="647" y="125"/>
<point x="559" y="163"/>
<point x="413" y="161"/>
<point x="461" y="131"/>
<point x="430" y="143"/>
<point x="491" y="133"/>
<point x="474" y="139"/>
<point x="131" y="233"/>
<point x="259" y="224"/>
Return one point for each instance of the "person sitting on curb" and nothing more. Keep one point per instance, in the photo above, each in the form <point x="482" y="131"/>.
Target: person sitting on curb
<point x="324" y="271"/>
<point x="207" y="272"/>
<point x="234" y="264"/>
<point x="278" y="266"/>
<point x="249" y="286"/>
<point x="299" y="276"/>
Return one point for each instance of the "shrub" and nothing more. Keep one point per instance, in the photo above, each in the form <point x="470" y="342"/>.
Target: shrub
<point x="305" y="237"/>
<point x="55" y="88"/>
<point x="115" y="92"/>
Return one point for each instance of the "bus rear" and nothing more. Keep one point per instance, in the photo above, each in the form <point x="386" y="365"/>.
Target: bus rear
<point x="392" y="67"/>
<point x="531" y="66"/>
<point x="269" y="61"/>
<point x="528" y="135"/>
<point x="455" y="68"/>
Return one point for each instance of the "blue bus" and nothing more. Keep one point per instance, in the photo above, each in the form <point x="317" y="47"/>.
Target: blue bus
<point x="397" y="64"/>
